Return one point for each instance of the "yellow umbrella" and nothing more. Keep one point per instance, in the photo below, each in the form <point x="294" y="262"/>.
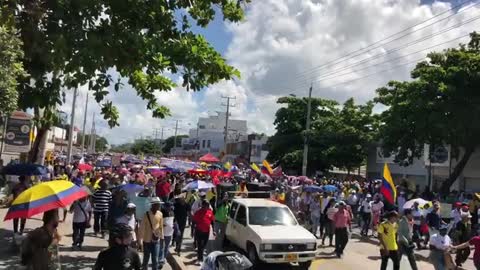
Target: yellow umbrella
<point x="43" y="197"/>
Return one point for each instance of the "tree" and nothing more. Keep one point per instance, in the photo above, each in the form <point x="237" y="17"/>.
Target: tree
<point x="122" y="148"/>
<point x="169" y="142"/>
<point x="339" y="135"/>
<point x="439" y="107"/>
<point x="11" y="69"/>
<point x="146" y="147"/>
<point x="67" y="44"/>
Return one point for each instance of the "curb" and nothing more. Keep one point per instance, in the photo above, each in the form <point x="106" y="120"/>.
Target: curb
<point x="175" y="261"/>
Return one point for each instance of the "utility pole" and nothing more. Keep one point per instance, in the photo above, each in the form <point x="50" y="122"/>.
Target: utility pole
<point x="72" y="122"/>
<point x="84" y="125"/>
<point x="175" y="138"/>
<point x="155" y="138"/>
<point x="92" y="131"/>
<point x="307" y="130"/>
<point x="227" y="114"/>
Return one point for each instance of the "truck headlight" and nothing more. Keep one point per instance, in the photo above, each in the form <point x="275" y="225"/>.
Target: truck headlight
<point x="312" y="246"/>
<point x="266" y="247"/>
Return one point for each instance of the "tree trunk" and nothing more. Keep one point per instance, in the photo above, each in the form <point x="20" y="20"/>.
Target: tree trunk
<point x="445" y="188"/>
<point x="37" y="153"/>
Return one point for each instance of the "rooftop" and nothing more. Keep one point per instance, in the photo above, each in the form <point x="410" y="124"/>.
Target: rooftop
<point x="259" y="203"/>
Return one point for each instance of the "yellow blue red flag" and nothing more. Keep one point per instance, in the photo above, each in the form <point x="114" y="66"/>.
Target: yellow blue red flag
<point x="267" y="166"/>
<point x="255" y="167"/>
<point x="388" y="189"/>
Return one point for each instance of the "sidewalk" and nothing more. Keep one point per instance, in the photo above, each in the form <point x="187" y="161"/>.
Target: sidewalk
<point x="70" y="260"/>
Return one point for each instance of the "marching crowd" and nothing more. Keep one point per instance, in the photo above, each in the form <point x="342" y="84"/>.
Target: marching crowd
<point x="143" y="213"/>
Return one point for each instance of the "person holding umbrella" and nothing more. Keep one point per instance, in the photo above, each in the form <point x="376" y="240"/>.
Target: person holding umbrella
<point x="17" y="189"/>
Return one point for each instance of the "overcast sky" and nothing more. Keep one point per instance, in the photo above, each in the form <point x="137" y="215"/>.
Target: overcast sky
<point x="285" y="45"/>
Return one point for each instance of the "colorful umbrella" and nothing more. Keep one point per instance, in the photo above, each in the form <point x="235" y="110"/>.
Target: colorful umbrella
<point x="24" y="169"/>
<point x="43" y="197"/>
<point x="209" y="158"/>
<point x="330" y="188"/>
<point x="85" y="167"/>
<point x="198" y="184"/>
<point x="131" y="188"/>
<point x="312" y="188"/>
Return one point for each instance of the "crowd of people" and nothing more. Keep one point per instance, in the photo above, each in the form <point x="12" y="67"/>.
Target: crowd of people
<point x="145" y="213"/>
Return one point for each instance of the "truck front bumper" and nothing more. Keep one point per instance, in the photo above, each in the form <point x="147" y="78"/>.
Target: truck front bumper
<point x="287" y="257"/>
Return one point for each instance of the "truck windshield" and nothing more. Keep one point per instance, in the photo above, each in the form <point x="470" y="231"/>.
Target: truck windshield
<point x="270" y="216"/>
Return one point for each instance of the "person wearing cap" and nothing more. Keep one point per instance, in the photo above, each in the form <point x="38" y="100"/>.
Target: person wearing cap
<point x="150" y="232"/>
<point x="440" y="244"/>
<point x="129" y="218"/>
<point x="119" y="255"/>
<point x="417" y="220"/>
<point x="366" y="214"/>
<point x="462" y="235"/>
<point x="342" y="221"/>
<point x="203" y="219"/>
<point x="387" y="234"/>
<point x="455" y="214"/>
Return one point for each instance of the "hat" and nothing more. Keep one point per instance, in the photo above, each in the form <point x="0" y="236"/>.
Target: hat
<point x="202" y="193"/>
<point x="131" y="205"/>
<point x="369" y="195"/>
<point x="341" y="203"/>
<point x="392" y="213"/>
<point x="457" y="204"/>
<point x="155" y="200"/>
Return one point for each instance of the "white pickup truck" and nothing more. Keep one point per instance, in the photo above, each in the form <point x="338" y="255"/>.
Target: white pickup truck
<point x="268" y="232"/>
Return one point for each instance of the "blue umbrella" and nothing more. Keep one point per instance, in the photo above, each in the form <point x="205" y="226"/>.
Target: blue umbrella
<point x="104" y="163"/>
<point x="312" y="188"/>
<point x="131" y="188"/>
<point x="26" y="169"/>
<point x="330" y="188"/>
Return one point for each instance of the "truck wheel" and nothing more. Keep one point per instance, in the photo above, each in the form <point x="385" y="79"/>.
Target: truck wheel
<point x="252" y="255"/>
<point x="305" y="265"/>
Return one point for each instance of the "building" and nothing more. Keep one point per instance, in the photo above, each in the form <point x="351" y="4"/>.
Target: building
<point x="418" y="173"/>
<point x="209" y="135"/>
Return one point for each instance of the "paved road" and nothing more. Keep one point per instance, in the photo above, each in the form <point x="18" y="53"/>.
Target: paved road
<point x="70" y="260"/>
<point x="361" y="253"/>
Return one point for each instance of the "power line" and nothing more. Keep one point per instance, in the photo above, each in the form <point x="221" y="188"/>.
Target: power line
<point x="376" y="44"/>
<point x="406" y="45"/>
<point x="336" y="74"/>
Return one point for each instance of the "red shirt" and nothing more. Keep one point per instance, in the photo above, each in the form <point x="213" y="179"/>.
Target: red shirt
<point x="475" y="241"/>
<point x="203" y="219"/>
<point x="341" y="219"/>
<point x="163" y="189"/>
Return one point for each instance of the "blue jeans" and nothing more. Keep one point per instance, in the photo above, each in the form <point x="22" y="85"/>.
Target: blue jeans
<point x="150" y="248"/>
<point x="163" y="250"/>
<point x="315" y="224"/>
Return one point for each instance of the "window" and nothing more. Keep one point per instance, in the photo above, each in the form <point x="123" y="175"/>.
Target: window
<point x="242" y="215"/>
<point x="233" y="209"/>
<point x="203" y="143"/>
<point x="270" y="216"/>
<point x="208" y="143"/>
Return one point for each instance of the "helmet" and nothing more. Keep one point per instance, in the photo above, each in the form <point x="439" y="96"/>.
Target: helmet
<point x="120" y="230"/>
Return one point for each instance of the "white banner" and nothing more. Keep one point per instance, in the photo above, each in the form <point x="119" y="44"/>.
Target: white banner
<point x="382" y="158"/>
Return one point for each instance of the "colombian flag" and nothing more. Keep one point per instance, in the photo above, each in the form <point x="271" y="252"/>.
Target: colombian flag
<point x="267" y="167"/>
<point x="255" y="167"/>
<point x="388" y="189"/>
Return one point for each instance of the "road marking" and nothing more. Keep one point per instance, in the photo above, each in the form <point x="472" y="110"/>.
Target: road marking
<point x="316" y="263"/>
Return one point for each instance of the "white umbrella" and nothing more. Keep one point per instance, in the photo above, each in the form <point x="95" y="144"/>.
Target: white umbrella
<point x="409" y="204"/>
<point x="199" y="184"/>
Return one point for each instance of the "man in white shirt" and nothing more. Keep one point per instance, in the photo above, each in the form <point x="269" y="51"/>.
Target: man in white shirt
<point x="129" y="219"/>
<point x="82" y="213"/>
<point x="366" y="214"/>
<point x="439" y="244"/>
<point x="401" y="201"/>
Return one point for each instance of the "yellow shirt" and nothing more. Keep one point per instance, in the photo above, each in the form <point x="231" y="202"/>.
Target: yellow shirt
<point x="388" y="232"/>
<point x="146" y="230"/>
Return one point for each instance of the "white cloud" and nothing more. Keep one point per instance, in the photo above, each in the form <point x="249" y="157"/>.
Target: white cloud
<point x="279" y="48"/>
<point x="282" y="39"/>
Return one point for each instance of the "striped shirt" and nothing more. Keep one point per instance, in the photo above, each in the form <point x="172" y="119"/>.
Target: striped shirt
<point x="101" y="200"/>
